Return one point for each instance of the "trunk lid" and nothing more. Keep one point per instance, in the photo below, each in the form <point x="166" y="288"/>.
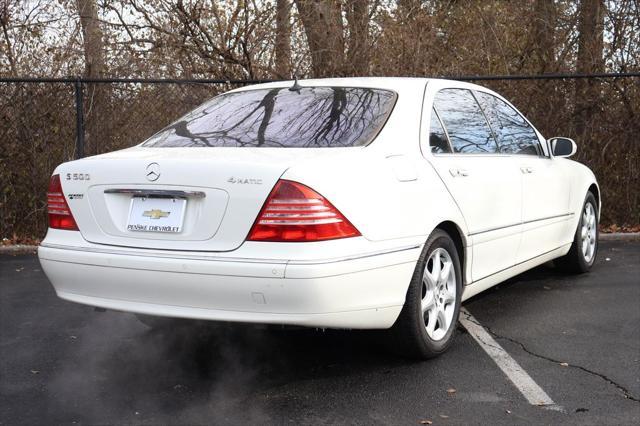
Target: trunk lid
<point x="140" y="197"/>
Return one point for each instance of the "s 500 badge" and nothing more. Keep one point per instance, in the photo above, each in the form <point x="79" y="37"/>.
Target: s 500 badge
<point x="78" y="176"/>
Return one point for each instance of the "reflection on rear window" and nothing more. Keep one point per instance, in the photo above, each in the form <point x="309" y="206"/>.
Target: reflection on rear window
<point x="308" y="117"/>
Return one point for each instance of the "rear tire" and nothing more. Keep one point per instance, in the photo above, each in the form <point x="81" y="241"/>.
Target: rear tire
<point x="584" y="248"/>
<point x="428" y="321"/>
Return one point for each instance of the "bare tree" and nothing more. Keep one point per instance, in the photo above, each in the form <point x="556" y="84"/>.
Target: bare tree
<point x="590" y="59"/>
<point x="92" y="38"/>
<point x="322" y="21"/>
<point x="94" y="67"/>
<point x="357" y="12"/>
<point x="283" y="38"/>
<point x="544" y="25"/>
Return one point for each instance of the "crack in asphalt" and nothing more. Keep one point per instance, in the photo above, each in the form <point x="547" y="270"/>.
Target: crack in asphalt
<point x="626" y="393"/>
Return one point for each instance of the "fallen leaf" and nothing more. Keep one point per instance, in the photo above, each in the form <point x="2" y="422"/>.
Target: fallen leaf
<point x="451" y="391"/>
<point x="564" y="364"/>
<point x="426" y="422"/>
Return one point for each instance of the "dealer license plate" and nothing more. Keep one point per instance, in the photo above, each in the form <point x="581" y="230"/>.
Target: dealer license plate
<point x="163" y="215"/>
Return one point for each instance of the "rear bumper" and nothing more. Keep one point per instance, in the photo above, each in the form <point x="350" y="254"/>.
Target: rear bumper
<point x="358" y="292"/>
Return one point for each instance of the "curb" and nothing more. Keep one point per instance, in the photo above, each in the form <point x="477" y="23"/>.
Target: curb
<point x="18" y="249"/>
<point x="620" y="236"/>
<point x="613" y="236"/>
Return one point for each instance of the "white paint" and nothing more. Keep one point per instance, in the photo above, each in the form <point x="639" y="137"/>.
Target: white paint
<point x="533" y="393"/>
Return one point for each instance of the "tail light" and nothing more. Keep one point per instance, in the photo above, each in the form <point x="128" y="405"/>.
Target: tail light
<point x="294" y="212"/>
<point x="60" y="216"/>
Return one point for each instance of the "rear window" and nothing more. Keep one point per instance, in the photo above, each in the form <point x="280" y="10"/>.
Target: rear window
<point x="282" y="117"/>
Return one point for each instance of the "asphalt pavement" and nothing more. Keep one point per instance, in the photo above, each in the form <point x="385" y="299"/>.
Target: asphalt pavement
<point x="578" y="337"/>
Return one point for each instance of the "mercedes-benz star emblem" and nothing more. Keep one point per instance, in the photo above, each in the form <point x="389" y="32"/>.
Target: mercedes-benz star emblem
<point x="153" y="172"/>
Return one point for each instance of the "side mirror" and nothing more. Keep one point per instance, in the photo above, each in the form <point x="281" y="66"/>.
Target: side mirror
<point x="562" y="147"/>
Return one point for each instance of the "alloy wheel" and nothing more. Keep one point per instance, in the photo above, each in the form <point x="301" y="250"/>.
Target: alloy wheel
<point x="438" y="294"/>
<point x="588" y="232"/>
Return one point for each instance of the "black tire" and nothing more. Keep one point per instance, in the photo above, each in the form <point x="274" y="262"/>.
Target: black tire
<point x="575" y="261"/>
<point x="409" y="333"/>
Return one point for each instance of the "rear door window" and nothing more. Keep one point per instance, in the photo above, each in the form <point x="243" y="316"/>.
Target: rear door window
<point x="514" y="134"/>
<point x="464" y="121"/>
<point x="281" y="117"/>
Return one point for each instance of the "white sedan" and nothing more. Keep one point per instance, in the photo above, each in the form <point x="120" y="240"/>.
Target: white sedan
<point x="364" y="203"/>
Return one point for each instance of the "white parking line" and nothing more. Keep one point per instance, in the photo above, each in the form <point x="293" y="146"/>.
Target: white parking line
<point x="525" y="384"/>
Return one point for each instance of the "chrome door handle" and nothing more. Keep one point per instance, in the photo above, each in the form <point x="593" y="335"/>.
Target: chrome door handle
<point x="459" y="172"/>
<point x="526" y="169"/>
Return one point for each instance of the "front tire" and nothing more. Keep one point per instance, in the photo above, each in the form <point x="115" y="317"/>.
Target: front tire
<point x="584" y="248"/>
<point x="428" y="321"/>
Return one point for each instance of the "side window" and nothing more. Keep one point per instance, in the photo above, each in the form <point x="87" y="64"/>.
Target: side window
<point x="466" y="125"/>
<point x="514" y="134"/>
<point x="437" y="137"/>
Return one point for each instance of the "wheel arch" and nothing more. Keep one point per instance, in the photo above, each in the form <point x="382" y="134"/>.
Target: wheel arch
<point x="459" y="240"/>
<point x="596" y="193"/>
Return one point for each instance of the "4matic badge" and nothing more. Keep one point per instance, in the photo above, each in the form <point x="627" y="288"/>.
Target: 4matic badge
<point x="245" y="181"/>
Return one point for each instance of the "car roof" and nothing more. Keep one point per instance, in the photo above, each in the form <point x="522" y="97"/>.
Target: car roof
<point x="397" y="84"/>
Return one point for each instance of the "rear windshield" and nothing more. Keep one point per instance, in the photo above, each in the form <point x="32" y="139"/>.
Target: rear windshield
<point x="283" y="117"/>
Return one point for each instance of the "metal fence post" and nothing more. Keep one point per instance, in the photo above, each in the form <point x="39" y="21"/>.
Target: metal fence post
<point x="79" y="118"/>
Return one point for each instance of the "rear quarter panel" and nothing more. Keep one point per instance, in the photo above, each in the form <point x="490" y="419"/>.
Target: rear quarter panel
<point x="371" y="190"/>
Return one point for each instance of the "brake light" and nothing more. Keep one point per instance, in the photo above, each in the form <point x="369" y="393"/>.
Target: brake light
<point x="294" y="212"/>
<point x="60" y="216"/>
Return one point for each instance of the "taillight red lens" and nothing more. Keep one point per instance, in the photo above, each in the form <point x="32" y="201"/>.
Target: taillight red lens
<point x="294" y="212"/>
<point x="60" y="216"/>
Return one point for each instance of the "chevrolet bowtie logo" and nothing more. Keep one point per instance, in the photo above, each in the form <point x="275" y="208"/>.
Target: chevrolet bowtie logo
<point x="155" y="214"/>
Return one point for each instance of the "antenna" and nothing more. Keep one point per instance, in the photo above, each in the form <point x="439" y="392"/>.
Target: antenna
<point x="296" y="87"/>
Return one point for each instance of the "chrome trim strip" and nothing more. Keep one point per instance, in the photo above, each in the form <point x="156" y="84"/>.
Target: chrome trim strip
<point x="156" y="192"/>
<point x="228" y="259"/>
<point x="493" y="229"/>
<point x="547" y="218"/>
<point x="519" y="223"/>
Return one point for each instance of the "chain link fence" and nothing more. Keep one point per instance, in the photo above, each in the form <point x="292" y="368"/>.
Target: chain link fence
<point x="48" y="121"/>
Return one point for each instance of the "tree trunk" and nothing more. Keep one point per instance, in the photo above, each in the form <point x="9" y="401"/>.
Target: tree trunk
<point x="544" y="28"/>
<point x="94" y="60"/>
<point x="283" y="39"/>
<point x="358" y="21"/>
<point x="590" y="60"/>
<point x="322" y="22"/>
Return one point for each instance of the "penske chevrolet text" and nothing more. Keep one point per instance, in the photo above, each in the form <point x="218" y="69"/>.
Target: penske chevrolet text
<point x="358" y="203"/>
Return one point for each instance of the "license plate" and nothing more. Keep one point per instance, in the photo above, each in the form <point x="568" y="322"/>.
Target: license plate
<point x="164" y="215"/>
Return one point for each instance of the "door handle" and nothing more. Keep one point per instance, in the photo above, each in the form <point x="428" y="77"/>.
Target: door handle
<point x="459" y="172"/>
<point x="526" y="169"/>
